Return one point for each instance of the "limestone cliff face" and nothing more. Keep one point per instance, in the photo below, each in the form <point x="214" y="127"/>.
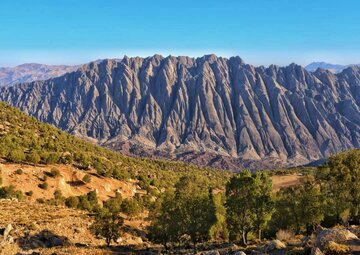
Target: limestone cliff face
<point x="210" y="110"/>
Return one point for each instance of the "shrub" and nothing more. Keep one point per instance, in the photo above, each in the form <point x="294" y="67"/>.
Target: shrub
<point x="33" y="157"/>
<point x="29" y="193"/>
<point x="43" y="185"/>
<point x="72" y="202"/>
<point x="16" y="156"/>
<point x="58" y="195"/>
<point x="86" y="178"/>
<point x="131" y="207"/>
<point x="10" y="192"/>
<point x="40" y="201"/>
<point x="19" y="171"/>
<point x="54" y="172"/>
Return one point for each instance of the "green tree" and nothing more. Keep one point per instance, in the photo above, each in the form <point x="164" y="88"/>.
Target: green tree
<point x="340" y="183"/>
<point x="164" y="218"/>
<point x="299" y="208"/>
<point x="196" y="208"/>
<point x="190" y="210"/>
<point x="264" y="204"/>
<point x="108" y="225"/>
<point x="240" y="202"/>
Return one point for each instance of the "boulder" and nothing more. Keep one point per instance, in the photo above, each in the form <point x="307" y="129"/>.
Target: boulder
<point x="316" y="251"/>
<point x="7" y="231"/>
<point x="211" y="253"/>
<point x="337" y="235"/>
<point x="275" y="245"/>
<point x="240" y="253"/>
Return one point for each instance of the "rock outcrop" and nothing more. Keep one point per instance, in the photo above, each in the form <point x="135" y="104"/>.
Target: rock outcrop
<point x="210" y="111"/>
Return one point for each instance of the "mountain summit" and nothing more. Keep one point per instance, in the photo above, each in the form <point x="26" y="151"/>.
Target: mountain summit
<point x="210" y="110"/>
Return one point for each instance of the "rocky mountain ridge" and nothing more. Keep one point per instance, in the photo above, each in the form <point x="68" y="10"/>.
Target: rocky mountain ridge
<point x="210" y="110"/>
<point x="31" y="72"/>
<point x="334" y="68"/>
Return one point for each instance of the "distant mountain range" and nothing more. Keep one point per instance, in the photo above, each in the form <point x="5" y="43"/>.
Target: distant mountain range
<point x="31" y="72"/>
<point x="334" y="68"/>
<point x="211" y="110"/>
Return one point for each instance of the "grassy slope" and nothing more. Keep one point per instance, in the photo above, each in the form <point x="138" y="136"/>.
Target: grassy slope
<point x="24" y="135"/>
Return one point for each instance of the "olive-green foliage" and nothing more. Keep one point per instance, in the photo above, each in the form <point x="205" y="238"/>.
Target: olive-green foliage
<point x="190" y="210"/>
<point x="10" y="192"/>
<point x="299" y="208"/>
<point x="19" y="171"/>
<point x="54" y="172"/>
<point x="132" y="207"/>
<point x="249" y="204"/>
<point x="340" y="184"/>
<point x="29" y="140"/>
<point x="86" y="178"/>
<point x="16" y="156"/>
<point x="219" y="230"/>
<point x="87" y="202"/>
<point x="33" y="157"/>
<point x="44" y="185"/>
<point x="29" y="193"/>
<point x="108" y="224"/>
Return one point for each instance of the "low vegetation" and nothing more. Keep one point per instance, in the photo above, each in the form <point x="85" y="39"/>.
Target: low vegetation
<point x="23" y="139"/>
<point x="186" y="205"/>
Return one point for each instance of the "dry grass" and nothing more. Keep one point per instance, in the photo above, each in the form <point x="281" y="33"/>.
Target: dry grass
<point x="336" y="249"/>
<point x="69" y="182"/>
<point x="283" y="181"/>
<point x="284" y="235"/>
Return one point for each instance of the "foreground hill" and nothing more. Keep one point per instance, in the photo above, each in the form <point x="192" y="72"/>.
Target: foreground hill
<point x="210" y="111"/>
<point x="23" y="139"/>
<point x="32" y="72"/>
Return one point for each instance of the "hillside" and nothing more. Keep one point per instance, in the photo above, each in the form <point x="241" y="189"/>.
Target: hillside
<point x="210" y="111"/>
<point x="23" y="139"/>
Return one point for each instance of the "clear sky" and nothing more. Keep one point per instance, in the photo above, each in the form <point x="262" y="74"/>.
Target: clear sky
<point x="259" y="31"/>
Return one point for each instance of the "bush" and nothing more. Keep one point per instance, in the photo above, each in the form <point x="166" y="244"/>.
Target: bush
<point x="44" y="185"/>
<point x="72" y="202"/>
<point x="29" y="193"/>
<point x="19" y="171"/>
<point x="33" y="157"/>
<point x="86" y="178"/>
<point x="16" y="156"/>
<point x="40" y="201"/>
<point x="58" y="195"/>
<point x="131" y="207"/>
<point x="54" y="173"/>
<point x="10" y="192"/>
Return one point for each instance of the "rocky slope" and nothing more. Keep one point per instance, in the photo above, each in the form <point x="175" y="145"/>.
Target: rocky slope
<point x="32" y="72"/>
<point x="209" y="110"/>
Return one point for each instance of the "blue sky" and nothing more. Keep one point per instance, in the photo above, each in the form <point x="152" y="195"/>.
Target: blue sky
<point x="259" y="31"/>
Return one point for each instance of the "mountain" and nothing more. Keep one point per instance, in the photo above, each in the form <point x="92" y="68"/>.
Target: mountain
<point x="327" y="66"/>
<point x="31" y="72"/>
<point x="211" y="110"/>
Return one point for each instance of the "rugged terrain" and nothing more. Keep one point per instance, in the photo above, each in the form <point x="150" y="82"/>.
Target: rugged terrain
<point x="32" y="72"/>
<point x="210" y="111"/>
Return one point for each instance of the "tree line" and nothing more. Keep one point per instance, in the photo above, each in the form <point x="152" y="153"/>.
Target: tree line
<point x="195" y="212"/>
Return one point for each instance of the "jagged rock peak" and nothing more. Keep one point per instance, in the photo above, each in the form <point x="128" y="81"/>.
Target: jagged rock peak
<point x="207" y="110"/>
